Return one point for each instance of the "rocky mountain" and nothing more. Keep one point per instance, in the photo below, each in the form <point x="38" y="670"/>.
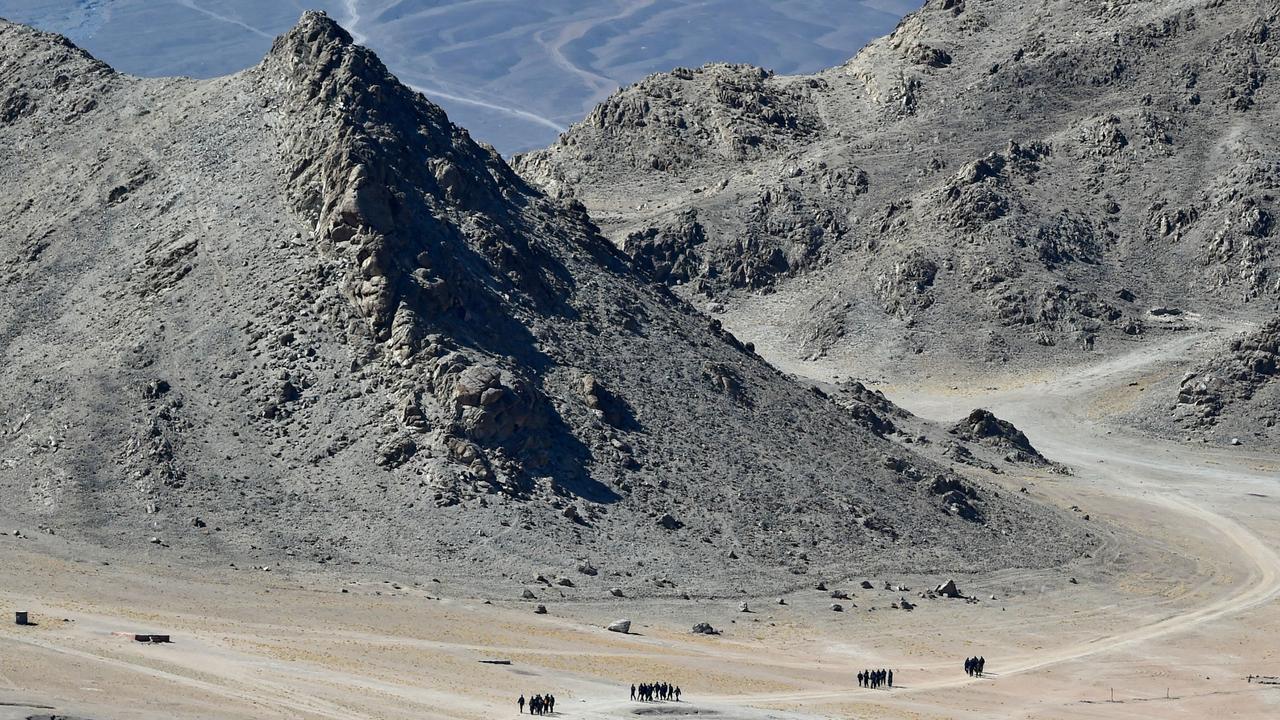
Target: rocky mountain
<point x="296" y="315"/>
<point x="992" y="180"/>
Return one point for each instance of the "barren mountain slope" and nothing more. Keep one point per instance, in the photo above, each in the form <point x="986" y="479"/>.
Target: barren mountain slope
<point x="296" y="313"/>
<point x="993" y="178"/>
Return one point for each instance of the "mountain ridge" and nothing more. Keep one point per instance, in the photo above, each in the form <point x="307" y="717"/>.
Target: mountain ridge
<point x="988" y="182"/>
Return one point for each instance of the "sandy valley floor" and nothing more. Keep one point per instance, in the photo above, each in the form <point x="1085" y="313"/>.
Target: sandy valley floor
<point x="1169" y="617"/>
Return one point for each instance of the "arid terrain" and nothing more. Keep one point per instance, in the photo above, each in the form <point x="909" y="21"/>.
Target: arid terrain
<point x="296" y="317"/>
<point x="1172" y="613"/>
<point x="371" y="424"/>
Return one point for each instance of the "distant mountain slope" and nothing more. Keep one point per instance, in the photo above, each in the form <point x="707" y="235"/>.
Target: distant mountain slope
<point x="297" y="315"/>
<point x="992" y="179"/>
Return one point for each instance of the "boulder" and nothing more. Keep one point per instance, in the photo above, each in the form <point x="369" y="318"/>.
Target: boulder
<point x="616" y="592"/>
<point x="742" y="607"/>
<point x="705" y="629"/>
<point x="837" y="607"/>
<point x="620" y="626"/>
<point x="948" y="589"/>
<point x="540" y="610"/>
<point x="528" y="595"/>
<point x="866" y="585"/>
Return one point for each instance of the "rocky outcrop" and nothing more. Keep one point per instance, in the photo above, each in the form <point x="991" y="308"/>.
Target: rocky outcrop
<point x="984" y="428"/>
<point x="1236" y="386"/>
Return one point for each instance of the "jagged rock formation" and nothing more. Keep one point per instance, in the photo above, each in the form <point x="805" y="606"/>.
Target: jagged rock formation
<point x="980" y="440"/>
<point x="989" y="180"/>
<point x="983" y="427"/>
<point x="870" y="407"/>
<point x="297" y="315"/>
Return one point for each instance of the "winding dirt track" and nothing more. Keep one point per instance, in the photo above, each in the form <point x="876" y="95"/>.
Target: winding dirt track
<point x="1053" y="414"/>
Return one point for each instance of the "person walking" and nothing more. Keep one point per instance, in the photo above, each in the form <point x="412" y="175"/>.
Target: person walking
<point x="890" y="678"/>
<point x="633" y="692"/>
<point x="520" y="702"/>
<point x="982" y="665"/>
<point x="677" y="693"/>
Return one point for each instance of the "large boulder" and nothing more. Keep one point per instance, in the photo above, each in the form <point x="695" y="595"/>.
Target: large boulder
<point x="948" y="589"/>
<point x="620" y="626"/>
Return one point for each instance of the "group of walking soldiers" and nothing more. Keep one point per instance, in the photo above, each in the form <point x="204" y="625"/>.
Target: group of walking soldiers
<point x="647" y="692"/>
<point x="539" y="704"/>
<point x="875" y="678"/>
<point x="974" y="666"/>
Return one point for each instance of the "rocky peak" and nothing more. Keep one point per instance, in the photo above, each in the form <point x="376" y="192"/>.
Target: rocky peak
<point x="315" y="32"/>
<point x="421" y="211"/>
<point x="439" y="247"/>
<point x="40" y="70"/>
